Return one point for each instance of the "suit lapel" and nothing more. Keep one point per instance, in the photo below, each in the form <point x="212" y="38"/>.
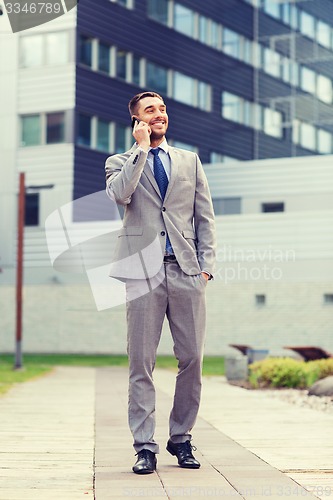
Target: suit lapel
<point x="151" y="178"/>
<point x="174" y="171"/>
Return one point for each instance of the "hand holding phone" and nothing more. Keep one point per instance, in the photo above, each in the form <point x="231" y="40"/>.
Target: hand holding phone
<point x="134" y="121"/>
<point x="141" y="133"/>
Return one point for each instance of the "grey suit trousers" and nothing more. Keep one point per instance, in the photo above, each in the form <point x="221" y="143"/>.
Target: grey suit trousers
<point x="181" y="298"/>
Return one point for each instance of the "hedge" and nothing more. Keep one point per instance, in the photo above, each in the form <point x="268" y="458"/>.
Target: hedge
<point x="288" y="372"/>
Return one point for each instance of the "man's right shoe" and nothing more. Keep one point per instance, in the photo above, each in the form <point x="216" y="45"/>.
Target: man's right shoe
<point x="146" y="462"/>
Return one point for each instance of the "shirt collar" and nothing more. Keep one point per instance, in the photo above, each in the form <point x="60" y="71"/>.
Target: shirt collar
<point x="164" y="145"/>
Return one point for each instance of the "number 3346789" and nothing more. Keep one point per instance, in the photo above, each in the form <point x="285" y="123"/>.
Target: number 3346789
<point x="33" y="8"/>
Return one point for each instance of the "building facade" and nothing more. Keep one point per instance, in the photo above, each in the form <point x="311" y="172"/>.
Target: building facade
<point x="244" y="80"/>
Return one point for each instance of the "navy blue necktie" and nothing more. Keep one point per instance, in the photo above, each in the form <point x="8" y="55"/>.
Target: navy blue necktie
<point x="162" y="182"/>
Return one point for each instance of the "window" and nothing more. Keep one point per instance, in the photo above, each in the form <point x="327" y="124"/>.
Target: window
<point x="273" y="123"/>
<point x="55" y="128"/>
<point x="257" y="116"/>
<point x="184" y="20"/>
<point x="121" y="64"/>
<point x="248" y="52"/>
<point x="324" y="34"/>
<point x="156" y="78"/>
<point x="231" y="107"/>
<point x="209" y="32"/>
<point x="215" y="30"/>
<point x="272" y="207"/>
<point x="204" y="30"/>
<point x="49" y="49"/>
<point x="31" y="209"/>
<point x="84" y="134"/>
<point x="125" y="3"/>
<point x="31" y="51"/>
<point x="121" y="143"/>
<point x="184" y="88"/>
<point x="294" y="16"/>
<point x="272" y="63"/>
<point x="103" y="58"/>
<point x="328" y="298"/>
<point x="247" y="113"/>
<point x="159" y="10"/>
<point x="44" y="128"/>
<point x="204" y="96"/>
<point x="260" y="300"/>
<point x="252" y="115"/>
<point x="103" y="136"/>
<point x="229" y="159"/>
<point x="216" y="157"/>
<point x="231" y="43"/>
<point x="307" y="24"/>
<point x="308" y="136"/>
<point x="286" y="70"/>
<point x="220" y="158"/>
<point x="56" y="48"/>
<point x="308" y="80"/>
<point x="272" y="7"/>
<point x="136" y="70"/>
<point x="286" y="12"/>
<point x="324" y="89"/>
<point x="185" y="145"/>
<point x="30" y="130"/>
<point x="85" y="50"/>
<point x="227" y="206"/>
<point x="324" y="142"/>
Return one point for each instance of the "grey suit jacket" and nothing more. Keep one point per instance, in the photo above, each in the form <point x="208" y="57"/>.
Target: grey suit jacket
<point x="186" y="214"/>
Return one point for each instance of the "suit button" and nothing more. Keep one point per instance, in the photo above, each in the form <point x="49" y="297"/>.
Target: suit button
<point x="162" y="233"/>
<point x="163" y="209"/>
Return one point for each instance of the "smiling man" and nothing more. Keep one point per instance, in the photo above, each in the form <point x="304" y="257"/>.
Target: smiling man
<point x="166" y="198"/>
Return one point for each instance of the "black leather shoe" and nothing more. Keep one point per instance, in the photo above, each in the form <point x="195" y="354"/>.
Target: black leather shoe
<point x="183" y="452"/>
<point x="146" y="462"/>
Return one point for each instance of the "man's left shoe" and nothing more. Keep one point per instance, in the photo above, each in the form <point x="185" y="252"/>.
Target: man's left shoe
<point x="183" y="452"/>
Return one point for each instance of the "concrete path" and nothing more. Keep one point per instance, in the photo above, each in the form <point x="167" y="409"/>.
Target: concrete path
<point x="47" y="437"/>
<point x="65" y="436"/>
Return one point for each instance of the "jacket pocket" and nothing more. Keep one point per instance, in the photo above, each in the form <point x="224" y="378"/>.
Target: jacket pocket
<point x="131" y="231"/>
<point x="189" y="234"/>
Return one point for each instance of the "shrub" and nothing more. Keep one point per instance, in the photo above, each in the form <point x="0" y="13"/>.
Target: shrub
<point x="287" y="372"/>
<point x="325" y="367"/>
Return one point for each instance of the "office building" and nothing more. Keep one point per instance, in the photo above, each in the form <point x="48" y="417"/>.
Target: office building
<point x="243" y="81"/>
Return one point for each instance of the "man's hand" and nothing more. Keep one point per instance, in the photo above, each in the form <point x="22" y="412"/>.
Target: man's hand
<point x="141" y="133"/>
<point x="205" y="275"/>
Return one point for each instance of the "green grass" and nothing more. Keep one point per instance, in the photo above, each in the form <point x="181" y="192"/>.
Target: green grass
<point x="38" y="364"/>
<point x="9" y="377"/>
<point x="213" y="365"/>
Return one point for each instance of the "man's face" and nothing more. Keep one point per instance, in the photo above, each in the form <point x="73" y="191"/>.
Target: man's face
<point x="153" y="111"/>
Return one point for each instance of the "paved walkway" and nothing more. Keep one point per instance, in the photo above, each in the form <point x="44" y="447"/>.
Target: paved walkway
<point x="65" y="437"/>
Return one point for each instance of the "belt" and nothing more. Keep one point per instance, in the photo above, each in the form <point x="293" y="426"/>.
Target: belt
<point x="169" y="258"/>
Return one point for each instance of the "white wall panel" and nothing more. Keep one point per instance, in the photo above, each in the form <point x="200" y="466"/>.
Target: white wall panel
<point x="286" y="176"/>
<point x="50" y="88"/>
<point x="51" y="164"/>
<point x="240" y="238"/>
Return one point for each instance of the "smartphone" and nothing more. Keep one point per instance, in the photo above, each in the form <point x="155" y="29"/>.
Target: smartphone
<point x="133" y="121"/>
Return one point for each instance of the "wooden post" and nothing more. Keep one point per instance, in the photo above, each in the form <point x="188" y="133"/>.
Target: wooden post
<point x="19" y="271"/>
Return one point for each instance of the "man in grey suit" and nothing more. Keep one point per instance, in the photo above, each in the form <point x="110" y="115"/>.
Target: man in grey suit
<point x="165" y="253"/>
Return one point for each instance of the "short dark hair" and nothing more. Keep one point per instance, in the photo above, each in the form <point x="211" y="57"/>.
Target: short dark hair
<point x="133" y="104"/>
